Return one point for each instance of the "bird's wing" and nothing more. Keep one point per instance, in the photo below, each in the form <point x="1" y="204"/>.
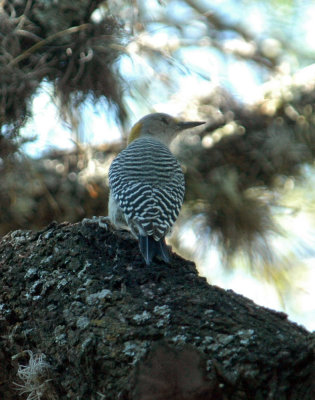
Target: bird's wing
<point x="148" y="184"/>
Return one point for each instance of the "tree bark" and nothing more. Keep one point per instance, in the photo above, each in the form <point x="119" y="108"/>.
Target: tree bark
<point x="88" y="320"/>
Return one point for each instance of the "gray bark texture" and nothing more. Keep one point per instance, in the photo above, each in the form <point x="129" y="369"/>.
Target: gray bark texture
<point x="82" y="317"/>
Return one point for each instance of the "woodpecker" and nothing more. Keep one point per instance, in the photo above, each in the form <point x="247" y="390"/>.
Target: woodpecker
<point x="147" y="184"/>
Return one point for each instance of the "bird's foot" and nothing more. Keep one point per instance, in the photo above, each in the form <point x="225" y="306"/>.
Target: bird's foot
<point x="103" y="222"/>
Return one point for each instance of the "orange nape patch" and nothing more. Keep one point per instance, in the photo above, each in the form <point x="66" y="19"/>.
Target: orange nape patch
<point x="135" y="132"/>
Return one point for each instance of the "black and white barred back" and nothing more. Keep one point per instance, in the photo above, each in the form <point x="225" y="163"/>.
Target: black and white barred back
<point x="148" y="184"/>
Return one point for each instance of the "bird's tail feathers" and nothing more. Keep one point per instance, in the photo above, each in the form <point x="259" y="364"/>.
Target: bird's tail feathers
<point x="151" y="248"/>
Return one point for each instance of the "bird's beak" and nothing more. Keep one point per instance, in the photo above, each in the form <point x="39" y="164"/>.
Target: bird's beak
<point x="181" y="125"/>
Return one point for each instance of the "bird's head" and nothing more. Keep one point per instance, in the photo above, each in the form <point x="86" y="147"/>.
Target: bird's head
<point x="160" y="126"/>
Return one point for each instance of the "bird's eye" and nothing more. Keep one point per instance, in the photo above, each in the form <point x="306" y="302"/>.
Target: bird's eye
<point x="164" y="120"/>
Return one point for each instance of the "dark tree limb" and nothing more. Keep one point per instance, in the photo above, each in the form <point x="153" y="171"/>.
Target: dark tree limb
<point x="95" y="321"/>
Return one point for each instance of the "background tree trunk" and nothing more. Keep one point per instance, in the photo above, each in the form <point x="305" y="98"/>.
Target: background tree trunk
<point x="99" y="324"/>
